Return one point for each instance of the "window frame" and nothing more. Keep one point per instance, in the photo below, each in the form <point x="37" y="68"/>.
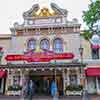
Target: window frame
<point x="29" y="47"/>
<point x="47" y="42"/>
<point x="58" y="49"/>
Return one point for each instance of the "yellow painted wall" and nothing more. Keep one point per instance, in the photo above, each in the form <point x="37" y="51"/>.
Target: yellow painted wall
<point x="70" y="42"/>
<point x="6" y="44"/>
<point x="86" y="49"/>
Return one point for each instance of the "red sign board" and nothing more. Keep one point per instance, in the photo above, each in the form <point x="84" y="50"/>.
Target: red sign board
<point x="39" y="57"/>
<point x="95" y="46"/>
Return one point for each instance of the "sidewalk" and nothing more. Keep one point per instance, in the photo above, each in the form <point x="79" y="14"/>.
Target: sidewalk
<point x="93" y="97"/>
<point x="39" y="98"/>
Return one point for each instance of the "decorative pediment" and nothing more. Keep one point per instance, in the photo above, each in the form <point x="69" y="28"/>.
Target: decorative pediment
<point x="32" y="12"/>
<point x="58" y="10"/>
<point x="36" y="11"/>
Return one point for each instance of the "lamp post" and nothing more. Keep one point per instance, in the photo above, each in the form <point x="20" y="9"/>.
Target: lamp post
<point x="84" y="97"/>
<point x="81" y="60"/>
<point x="56" y="89"/>
<point x="81" y="57"/>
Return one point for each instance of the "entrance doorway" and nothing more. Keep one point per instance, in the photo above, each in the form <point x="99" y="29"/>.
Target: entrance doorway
<point x="43" y="82"/>
<point x="2" y="85"/>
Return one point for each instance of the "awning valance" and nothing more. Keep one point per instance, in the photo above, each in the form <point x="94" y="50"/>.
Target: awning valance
<point x="92" y="72"/>
<point x="3" y="74"/>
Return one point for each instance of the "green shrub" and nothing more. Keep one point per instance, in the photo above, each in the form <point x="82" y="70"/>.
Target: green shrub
<point x="74" y="88"/>
<point x="15" y="88"/>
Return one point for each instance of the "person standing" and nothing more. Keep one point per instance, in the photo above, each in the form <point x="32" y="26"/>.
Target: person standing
<point x="46" y="86"/>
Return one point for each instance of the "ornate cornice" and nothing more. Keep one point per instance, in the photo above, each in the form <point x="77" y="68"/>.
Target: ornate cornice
<point x="35" y="11"/>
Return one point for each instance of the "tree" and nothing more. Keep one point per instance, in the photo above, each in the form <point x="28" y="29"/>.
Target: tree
<point x="92" y="19"/>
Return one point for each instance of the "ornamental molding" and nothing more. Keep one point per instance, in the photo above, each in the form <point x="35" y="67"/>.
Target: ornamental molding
<point x="35" y="11"/>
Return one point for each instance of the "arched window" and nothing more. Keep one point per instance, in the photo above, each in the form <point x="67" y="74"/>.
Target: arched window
<point x="44" y="44"/>
<point x="58" y="45"/>
<point x="31" y="44"/>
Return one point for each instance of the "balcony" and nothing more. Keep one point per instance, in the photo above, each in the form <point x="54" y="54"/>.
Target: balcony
<point x="91" y="61"/>
<point x="57" y="21"/>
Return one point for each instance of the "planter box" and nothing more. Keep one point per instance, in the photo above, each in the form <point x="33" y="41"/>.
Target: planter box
<point x="14" y="93"/>
<point x="73" y="92"/>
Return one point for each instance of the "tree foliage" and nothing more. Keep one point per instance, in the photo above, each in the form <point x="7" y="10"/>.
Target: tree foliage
<point x="87" y="34"/>
<point x="91" y="17"/>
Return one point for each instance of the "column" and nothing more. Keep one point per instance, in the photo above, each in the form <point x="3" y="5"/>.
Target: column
<point x="64" y="83"/>
<point x="22" y="77"/>
<point x="12" y="76"/>
<point x="9" y="81"/>
<point x="97" y="85"/>
<point x="68" y="80"/>
<point x="78" y="76"/>
<point x="2" y="85"/>
<point x="86" y="83"/>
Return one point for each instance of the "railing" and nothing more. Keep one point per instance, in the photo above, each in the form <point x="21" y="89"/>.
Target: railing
<point x="91" y="61"/>
<point x="49" y="22"/>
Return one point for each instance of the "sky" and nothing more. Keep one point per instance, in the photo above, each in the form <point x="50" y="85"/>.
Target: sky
<point x="11" y="10"/>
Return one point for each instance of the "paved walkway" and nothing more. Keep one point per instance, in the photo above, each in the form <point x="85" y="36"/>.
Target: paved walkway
<point x="48" y="98"/>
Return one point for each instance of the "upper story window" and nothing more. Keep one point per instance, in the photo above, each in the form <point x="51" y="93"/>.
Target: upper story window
<point x="31" y="44"/>
<point x="44" y="44"/>
<point x="58" y="45"/>
<point x="95" y="53"/>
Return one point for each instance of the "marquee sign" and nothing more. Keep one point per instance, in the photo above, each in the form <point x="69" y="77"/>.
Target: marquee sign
<point x="39" y="57"/>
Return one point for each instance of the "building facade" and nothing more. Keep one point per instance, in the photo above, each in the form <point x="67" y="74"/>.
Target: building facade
<point x="45" y="46"/>
<point x="91" y="56"/>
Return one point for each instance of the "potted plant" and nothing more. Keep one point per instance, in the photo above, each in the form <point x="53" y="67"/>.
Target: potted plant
<point x="14" y="90"/>
<point x="74" y="89"/>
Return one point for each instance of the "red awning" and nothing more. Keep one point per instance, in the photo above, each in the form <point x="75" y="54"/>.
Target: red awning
<point x="92" y="72"/>
<point x="3" y="74"/>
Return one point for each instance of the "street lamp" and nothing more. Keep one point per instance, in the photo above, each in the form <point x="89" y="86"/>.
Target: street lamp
<point x="82" y="73"/>
<point x="56" y="95"/>
<point x="81" y="54"/>
<point x="81" y="58"/>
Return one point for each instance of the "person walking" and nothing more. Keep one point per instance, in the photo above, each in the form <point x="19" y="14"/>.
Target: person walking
<point x="54" y="90"/>
<point x="24" y="91"/>
<point x="31" y="89"/>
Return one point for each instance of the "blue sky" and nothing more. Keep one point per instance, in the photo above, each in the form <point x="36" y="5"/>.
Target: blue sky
<point x="11" y="10"/>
